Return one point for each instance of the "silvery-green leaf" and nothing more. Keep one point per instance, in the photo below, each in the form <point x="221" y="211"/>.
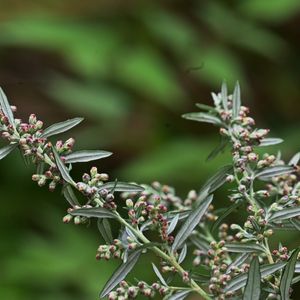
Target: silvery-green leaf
<point x="240" y="281"/>
<point x="61" y="127"/>
<point x="244" y="247"/>
<point x="217" y="180"/>
<point x="219" y="149"/>
<point x="183" y="254"/>
<point x="252" y="289"/>
<point x="285" y="214"/>
<point x="239" y="260"/>
<point x="287" y="276"/>
<point x="216" y="98"/>
<point x="227" y="212"/>
<point x="179" y="295"/>
<point x="297" y="268"/>
<point x="6" y="109"/>
<point x="270" y="141"/>
<point x="205" y="107"/>
<point x="62" y="168"/>
<point x="120" y="273"/>
<point x="94" y="212"/>
<point x="105" y="230"/>
<point x="191" y="222"/>
<point x="295" y="223"/>
<point x="224" y="95"/>
<point x="295" y="159"/>
<point x="86" y="155"/>
<point x="236" y="101"/>
<point x="173" y="224"/>
<point x="69" y="195"/>
<point x="7" y="149"/>
<point x="202" y="117"/>
<point x="158" y="274"/>
<point x="122" y="187"/>
<point x="199" y="242"/>
<point x="269" y="173"/>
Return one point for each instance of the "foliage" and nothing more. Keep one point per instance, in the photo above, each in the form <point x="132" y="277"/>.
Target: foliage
<point x="177" y="225"/>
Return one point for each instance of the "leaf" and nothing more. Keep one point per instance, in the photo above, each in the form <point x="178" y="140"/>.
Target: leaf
<point x="240" y="281"/>
<point x="285" y="214"/>
<point x="122" y="187"/>
<point x="205" y="107"/>
<point x="191" y="222"/>
<point x="252" y="289"/>
<point x="236" y="101"/>
<point x="199" y="242"/>
<point x="202" y="117"/>
<point x="158" y="274"/>
<point x="69" y="195"/>
<point x="62" y="168"/>
<point x="86" y="155"/>
<point x="224" y="95"/>
<point x="7" y="150"/>
<point x="244" y="247"/>
<point x="179" y="295"/>
<point x="226" y="213"/>
<point x="295" y="159"/>
<point x="183" y="254"/>
<point x="270" y="141"/>
<point x="120" y="273"/>
<point x="61" y="127"/>
<point x="295" y="224"/>
<point x="172" y="224"/>
<point x="94" y="212"/>
<point x="269" y="173"/>
<point x="219" y="149"/>
<point x="240" y="259"/>
<point x="105" y="230"/>
<point x="287" y="276"/>
<point x="6" y="109"/>
<point x="217" y="180"/>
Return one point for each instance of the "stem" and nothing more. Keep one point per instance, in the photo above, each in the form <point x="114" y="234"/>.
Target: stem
<point x="195" y="287"/>
<point x="268" y="252"/>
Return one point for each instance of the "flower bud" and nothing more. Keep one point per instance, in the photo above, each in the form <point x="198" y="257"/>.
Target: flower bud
<point x="67" y="218"/>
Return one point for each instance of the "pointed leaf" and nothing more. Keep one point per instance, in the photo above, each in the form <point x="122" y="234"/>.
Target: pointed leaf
<point x="270" y="141"/>
<point x="86" y="155"/>
<point x="179" y="295"/>
<point x="244" y="247"/>
<point x="240" y="259"/>
<point x="199" y="242"/>
<point x="236" y="101"/>
<point x="219" y="149"/>
<point x="205" y="107"/>
<point x="69" y="195"/>
<point x="287" y="276"/>
<point x="191" y="222"/>
<point x="7" y="150"/>
<point x="6" y="109"/>
<point x="285" y="214"/>
<point x="94" y="212"/>
<point x="183" y="254"/>
<point x="269" y="173"/>
<point x="105" y="230"/>
<point x="158" y="274"/>
<point x="62" y="168"/>
<point x="295" y="223"/>
<point x="173" y="224"/>
<point x="224" y="95"/>
<point x="61" y="127"/>
<point x="295" y="159"/>
<point x="120" y="273"/>
<point x="252" y="289"/>
<point x="202" y="117"/>
<point x="122" y="187"/>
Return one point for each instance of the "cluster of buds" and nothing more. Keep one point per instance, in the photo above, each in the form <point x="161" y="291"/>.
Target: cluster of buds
<point x="282" y="254"/>
<point x="116" y="250"/>
<point x="77" y="219"/>
<point x="126" y="291"/>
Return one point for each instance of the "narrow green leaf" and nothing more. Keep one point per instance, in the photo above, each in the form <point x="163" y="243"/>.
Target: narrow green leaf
<point x="120" y="273"/>
<point x="219" y="149"/>
<point x="122" y="187"/>
<point x="202" y="117"/>
<point x="236" y="101"/>
<point x="172" y="224"/>
<point x="86" y="155"/>
<point x="226" y="213"/>
<point x="105" y="230"/>
<point x="252" y="289"/>
<point x="199" y="242"/>
<point x="7" y="150"/>
<point x="270" y="141"/>
<point x="287" y="276"/>
<point x="244" y="247"/>
<point x="269" y="173"/>
<point x="183" y="254"/>
<point x="206" y="107"/>
<point x="61" y="127"/>
<point x="224" y="95"/>
<point x="62" y="168"/>
<point x="191" y="222"/>
<point x="69" y="195"/>
<point x="6" y="109"/>
<point x="295" y="223"/>
<point x="179" y="295"/>
<point x="284" y="214"/>
<point x="239" y="260"/>
<point x="295" y="159"/>
<point x="158" y="274"/>
<point x="94" y="212"/>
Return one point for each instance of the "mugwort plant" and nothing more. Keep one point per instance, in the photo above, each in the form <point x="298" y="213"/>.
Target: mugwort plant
<point x="229" y="261"/>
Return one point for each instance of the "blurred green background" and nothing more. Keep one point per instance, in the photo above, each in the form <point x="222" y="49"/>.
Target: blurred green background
<point x="131" y="68"/>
